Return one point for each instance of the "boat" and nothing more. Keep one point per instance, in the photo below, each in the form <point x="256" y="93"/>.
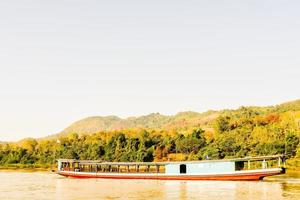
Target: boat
<point x="249" y="168"/>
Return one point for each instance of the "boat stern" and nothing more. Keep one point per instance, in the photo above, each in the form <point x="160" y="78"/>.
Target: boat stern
<point x="283" y="170"/>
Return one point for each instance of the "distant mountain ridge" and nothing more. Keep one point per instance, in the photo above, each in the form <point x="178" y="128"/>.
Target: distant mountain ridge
<point x="181" y="120"/>
<point x="96" y="124"/>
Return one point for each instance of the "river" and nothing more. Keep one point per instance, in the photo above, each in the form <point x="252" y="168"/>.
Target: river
<point x="43" y="186"/>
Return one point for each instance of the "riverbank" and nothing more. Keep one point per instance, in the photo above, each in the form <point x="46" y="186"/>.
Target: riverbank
<point x="26" y="167"/>
<point x="292" y="165"/>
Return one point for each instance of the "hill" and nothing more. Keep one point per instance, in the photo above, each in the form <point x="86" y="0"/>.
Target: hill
<point x="156" y="121"/>
<point x="246" y="131"/>
<point x="180" y="121"/>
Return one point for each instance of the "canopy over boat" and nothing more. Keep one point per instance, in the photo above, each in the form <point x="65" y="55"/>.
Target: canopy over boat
<point x="280" y="157"/>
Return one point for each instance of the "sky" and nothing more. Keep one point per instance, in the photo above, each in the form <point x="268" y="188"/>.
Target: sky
<point x="63" y="60"/>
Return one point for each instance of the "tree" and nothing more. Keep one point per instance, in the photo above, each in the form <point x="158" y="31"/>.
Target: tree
<point x="292" y="141"/>
<point x="223" y="124"/>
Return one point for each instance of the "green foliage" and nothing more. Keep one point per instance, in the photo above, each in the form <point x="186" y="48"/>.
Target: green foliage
<point x="222" y="124"/>
<point x="292" y="141"/>
<point x="247" y="131"/>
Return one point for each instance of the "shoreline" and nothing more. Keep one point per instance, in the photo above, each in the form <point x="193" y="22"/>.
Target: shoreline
<point x="51" y="170"/>
<point x="25" y="168"/>
<point x="292" y="166"/>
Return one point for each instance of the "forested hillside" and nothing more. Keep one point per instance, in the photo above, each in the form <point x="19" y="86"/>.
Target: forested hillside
<point x="156" y="121"/>
<point x="247" y="131"/>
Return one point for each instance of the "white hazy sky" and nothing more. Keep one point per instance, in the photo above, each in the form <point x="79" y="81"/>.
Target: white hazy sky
<point x="62" y="60"/>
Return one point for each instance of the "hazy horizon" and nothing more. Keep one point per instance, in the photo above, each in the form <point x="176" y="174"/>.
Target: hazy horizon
<point x="61" y="61"/>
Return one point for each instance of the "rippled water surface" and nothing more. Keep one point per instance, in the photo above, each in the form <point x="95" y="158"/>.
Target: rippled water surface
<point x="42" y="185"/>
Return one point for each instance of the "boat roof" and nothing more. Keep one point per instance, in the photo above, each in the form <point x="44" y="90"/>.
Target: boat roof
<point x="93" y="162"/>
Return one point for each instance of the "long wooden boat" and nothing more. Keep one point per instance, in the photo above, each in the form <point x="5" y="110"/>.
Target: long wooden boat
<point x="250" y="168"/>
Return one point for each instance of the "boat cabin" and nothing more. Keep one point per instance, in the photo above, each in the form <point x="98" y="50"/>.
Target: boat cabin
<point x="203" y="167"/>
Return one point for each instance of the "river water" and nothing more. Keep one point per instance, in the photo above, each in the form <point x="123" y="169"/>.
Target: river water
<point x="43" y="185"/>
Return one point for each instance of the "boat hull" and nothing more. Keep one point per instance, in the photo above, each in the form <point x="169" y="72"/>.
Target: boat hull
<point x="249" y="175"/>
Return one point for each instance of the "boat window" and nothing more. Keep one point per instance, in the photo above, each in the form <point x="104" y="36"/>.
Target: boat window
<point x="182" y="168"/>
<point x="239" y="166"/>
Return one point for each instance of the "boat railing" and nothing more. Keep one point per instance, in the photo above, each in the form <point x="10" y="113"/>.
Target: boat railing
<point x="262" y="162"/>
<point x="111" y="168"/>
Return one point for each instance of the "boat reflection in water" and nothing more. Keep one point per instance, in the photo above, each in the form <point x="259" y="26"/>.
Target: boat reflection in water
<point x="250" y="168"/>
